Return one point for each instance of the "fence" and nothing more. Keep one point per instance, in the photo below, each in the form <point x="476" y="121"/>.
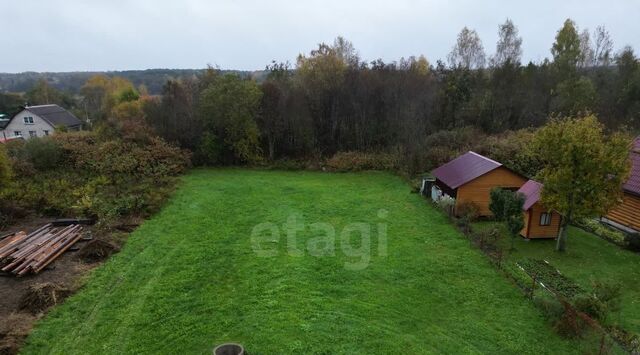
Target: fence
<point x="572" y="321"/>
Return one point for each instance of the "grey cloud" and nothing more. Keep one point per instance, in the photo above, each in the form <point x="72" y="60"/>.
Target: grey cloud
<point x="66" y="35"/>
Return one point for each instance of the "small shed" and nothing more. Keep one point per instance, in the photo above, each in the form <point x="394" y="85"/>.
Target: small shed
<point x="539" y="222"/>
<point x="470" y="178"/>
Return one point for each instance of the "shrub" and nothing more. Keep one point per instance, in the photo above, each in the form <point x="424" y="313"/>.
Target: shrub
<point x="288" y="164"/>
<point x="609" y="294"/>
<point x="358" y="161"/>
<point x="591" y="305"/>
<point x="633" y="241"/>
<point x="209" y="150"/>
<point x="5" y="167"/>
<point x="551" y="308"/>
<point x="77" y="148"/>
<point x="156" y="159"/>
<point x="570" y="325"/>
<point x="95" y="177"/>
<point x="442" y="146"/>
<point x="605" y="232"/>
<point x="630" y="341"/>
<point x="468" y="211"/>
<point x="43" y="153"/>
<point x="513" y="149"/>
<point x="447" y="204"/>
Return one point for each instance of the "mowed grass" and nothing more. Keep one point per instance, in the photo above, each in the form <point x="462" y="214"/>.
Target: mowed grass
<point x="189" y="279"/>
<point x="588" y="259"/>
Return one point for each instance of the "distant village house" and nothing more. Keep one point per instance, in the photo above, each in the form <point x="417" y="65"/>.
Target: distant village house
<point x="38" y="121"/>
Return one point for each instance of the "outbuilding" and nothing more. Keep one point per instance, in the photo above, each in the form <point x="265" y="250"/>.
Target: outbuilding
<point x="470" y="178"/>
<point x="626" y="216"/>
<point x="539" y="222"/>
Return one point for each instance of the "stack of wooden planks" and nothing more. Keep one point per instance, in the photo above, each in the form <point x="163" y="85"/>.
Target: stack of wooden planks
<point x="22" y="253"/>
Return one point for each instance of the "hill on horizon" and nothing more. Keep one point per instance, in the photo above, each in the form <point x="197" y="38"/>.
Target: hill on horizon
<point x="71" y="82"/>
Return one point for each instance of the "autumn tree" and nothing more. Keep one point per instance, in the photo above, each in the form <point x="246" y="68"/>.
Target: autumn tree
<point x="573" y="93"/>
<point x="587" y="54"/>
<point x="322" y="76"/>
<point x="101" y="94"/>
<point x="94" y="92"/>
<point x="43" y="94"/>
<point x="627" y="87"/>
<point x="468" y="52"/>
<point x="583" y="171"/>
<point x="276" y="94"/>
<point x="10" y="103"/>
<point x="509" y="46"/>
<point x="229" y="107"/>
<point x="502" y="107"/>
<point x="566" y="50"/>
<point x="603" y="47"/>
<point x="174" y="115"/>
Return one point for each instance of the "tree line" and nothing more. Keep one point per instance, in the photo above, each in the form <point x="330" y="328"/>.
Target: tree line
<point x="331" y="100"/>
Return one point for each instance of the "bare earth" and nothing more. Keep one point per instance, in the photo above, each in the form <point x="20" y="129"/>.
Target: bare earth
<point x="65" y="272"/>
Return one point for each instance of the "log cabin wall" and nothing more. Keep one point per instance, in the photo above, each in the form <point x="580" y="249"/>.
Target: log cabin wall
<point x="536" y="230"/>
<point x="478" y="190"/>
<point x="628" y="212"/>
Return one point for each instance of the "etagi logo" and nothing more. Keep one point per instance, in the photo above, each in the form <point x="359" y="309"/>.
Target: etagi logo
<point x="355" y="239"/>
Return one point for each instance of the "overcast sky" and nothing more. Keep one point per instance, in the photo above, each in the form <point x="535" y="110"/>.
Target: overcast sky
<point x="76" y="35"/>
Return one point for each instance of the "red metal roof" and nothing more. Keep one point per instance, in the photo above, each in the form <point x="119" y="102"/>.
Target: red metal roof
<point x="531" y="191"/>
<point x="464" y="168"/>
<point x="633" y="184"/>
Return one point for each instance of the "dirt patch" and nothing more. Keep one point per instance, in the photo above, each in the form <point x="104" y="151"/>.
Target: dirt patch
<point x="41" y="296"/>
<point x="96" y="250"/>
<point x="23" y="300"/>
<point x="13" y="329"/>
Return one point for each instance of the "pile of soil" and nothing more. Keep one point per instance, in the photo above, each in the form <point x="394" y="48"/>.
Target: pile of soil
<point x="39" y="297"/>
<point x="12" y="331"/>
<point x="96" y="250"/>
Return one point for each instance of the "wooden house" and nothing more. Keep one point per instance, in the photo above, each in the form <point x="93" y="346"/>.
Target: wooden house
<point x="626" y="215"/>
<point x="539" y="222"/>
<point x="470" y="178"/>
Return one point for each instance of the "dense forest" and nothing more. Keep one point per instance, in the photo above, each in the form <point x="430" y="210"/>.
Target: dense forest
<point x="411" y="112"/>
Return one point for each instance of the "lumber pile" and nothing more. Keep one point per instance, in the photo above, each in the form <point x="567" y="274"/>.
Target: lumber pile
<point x="22" y="253"/>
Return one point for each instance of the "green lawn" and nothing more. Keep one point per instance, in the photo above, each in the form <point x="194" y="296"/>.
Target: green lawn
<point x="590" y="258"/>
<point x="189" y="278"/>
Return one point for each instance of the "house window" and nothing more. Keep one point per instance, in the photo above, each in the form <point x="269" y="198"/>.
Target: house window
<point x="17" y="133"/>
<point x="46" y="132"/>
<point x="32" y="134"/>
<point x="545" y="218"/>
<point x="28" y="120"/>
